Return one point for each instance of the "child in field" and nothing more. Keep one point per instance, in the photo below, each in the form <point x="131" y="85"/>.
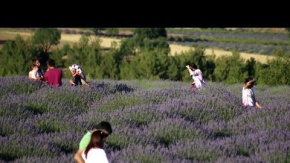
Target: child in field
<point x="248" y="95"/>
<point x="79" y="77"/>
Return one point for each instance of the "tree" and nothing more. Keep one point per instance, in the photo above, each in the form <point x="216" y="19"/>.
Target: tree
<point x="149" y="39"/>
<point x="45" y="38"/>
<point x="150" y="33"/>
<point x="16" y="57"/>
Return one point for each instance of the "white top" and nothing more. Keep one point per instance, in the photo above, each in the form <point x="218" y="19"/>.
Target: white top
<point x="33" y="74"/>
<point x="248" y="97"/>
<point x="95" y="155"/>
<point x="75" y="67"/>
<point x="197" y="77"/>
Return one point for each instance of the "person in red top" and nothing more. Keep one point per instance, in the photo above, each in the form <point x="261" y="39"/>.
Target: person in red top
<point x="53" y="75"/>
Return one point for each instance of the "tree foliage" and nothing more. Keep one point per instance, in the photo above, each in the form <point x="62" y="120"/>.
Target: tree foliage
<point x="144" y="56"/>
<point x="16" y="57"/>
<point x="146" y="39"/>
<point x="150" y="33"/>
<point x="44" y="38"/>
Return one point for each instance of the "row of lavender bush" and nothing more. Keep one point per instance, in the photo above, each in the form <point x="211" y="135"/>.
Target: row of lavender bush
<point x="153" y="121"/>
<point x="244" y="41"/>
<point x="230" y="34"/>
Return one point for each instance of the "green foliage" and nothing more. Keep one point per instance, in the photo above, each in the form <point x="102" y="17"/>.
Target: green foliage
<point x="250" y="67"/>
<point x="16" y="57"/>
<point x="159" y="44"/>
<point x="230" y="69"/>
<point x="174" y="69"/>
<point x="59" y="55"/>
<point x="109" y="66"/>
<point x="126" y="70"/>
<point x="87" y="55"/>
<point x="45" y="38"/>
<point x="275" y="72"/>
<point x="150" y="33"/>
<point x="143" y="56"/>
<point x="148" y="65"/>
<point x="146" y="39"/>
<point x="127" y="47"/>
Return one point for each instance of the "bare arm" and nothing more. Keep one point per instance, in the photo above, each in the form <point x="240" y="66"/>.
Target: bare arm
<point x="249" y="83"/>
<point x="78" y="156"/>
<point x="258" y="105"/>
<point x="189" y="69"/>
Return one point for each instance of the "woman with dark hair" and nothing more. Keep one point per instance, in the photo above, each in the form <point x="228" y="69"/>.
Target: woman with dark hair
<point x="94" y="152"/>
<point x="196" y="74"/>
<point x="248" y="95"/>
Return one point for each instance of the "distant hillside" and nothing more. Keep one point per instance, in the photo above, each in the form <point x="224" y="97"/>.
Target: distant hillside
<point x="258" y="43"/>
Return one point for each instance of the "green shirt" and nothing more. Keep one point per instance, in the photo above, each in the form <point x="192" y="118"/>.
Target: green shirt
<point x="85" y="140"/>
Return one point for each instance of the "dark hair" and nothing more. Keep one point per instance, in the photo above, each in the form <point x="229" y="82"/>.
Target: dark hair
<point x="248" y="79"/>
<point x="104" y="125"/>
<point x="34" y="60"/>
<point x="96" y="141"/>
<point x="193" y="66"/>
<point x="51" y="62"/>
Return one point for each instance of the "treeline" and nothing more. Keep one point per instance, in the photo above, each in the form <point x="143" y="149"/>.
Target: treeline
<point x="143" y="56"/>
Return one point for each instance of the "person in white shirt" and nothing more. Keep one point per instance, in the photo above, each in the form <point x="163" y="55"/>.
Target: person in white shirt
<point x="94" y="152"/>
<point x="198" y="81"/>
<point x="248" y="95"/>
<point x="35" y="73"/>
<point x="79" y="76"/>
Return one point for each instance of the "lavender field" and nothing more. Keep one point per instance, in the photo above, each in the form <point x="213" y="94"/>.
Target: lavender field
<point x="153" y="122"/>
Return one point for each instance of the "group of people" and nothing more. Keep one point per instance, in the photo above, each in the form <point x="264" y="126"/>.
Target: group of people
<point x="53" y="76"/>
<point x="91" y="146"/>
<point x="248" y="95"/>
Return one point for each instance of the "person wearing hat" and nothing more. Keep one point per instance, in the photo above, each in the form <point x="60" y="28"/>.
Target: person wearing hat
<point x="106" y="129"/>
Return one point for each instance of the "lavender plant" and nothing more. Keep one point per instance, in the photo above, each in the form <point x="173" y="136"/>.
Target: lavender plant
<point x="153" y="121"/>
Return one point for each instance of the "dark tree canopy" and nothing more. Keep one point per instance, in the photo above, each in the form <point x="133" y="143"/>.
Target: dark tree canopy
<point x="150" y="33"/>
<point x="46" y="37"/>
